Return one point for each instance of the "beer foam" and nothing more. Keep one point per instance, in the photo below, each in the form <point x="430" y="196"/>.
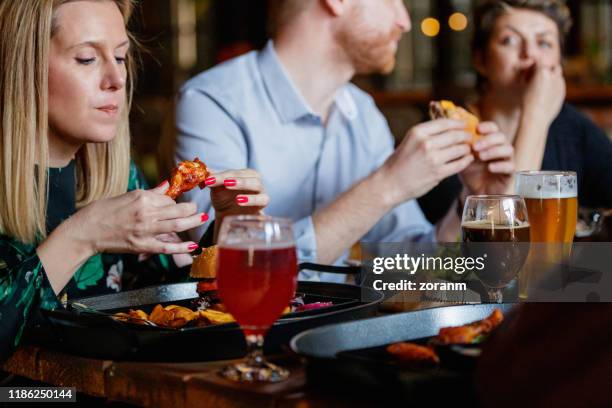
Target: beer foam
<point x="547" y="187"/>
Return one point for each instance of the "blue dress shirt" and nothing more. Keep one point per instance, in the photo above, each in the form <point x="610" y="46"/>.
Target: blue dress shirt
<point x="246" y="113"/>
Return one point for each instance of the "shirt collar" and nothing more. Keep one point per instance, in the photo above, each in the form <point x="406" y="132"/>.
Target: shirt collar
<point x="346" y="104"/>
<point x="286" y="98"/>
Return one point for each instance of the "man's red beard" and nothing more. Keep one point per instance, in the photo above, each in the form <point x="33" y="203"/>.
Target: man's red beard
<point x="370" y="53"/>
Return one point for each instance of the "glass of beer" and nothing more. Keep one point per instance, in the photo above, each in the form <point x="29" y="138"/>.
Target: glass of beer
<point x="496" y="228"/>
<point x="257" y="278"/>
<point x="552" y="204"/>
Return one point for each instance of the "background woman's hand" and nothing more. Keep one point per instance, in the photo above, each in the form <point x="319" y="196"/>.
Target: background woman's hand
<point x="544" y="93"/>
<point x="137" y="222"/>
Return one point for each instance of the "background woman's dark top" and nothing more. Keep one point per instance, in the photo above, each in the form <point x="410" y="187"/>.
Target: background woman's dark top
<point x="574" y="143"/>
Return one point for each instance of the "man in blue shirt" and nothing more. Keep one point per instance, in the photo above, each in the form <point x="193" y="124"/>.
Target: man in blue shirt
<point x="324" y="150"/>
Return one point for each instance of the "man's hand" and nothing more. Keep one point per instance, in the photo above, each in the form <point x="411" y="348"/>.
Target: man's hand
<point x="429" y="153"/>
<point x="493" y="172"/>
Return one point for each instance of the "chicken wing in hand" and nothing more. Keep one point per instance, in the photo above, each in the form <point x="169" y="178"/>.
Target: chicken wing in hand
<point x="186" y="176"/>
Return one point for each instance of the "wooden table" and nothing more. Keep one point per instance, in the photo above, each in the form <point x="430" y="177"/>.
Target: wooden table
<point x="177" y="385"/>
<point x="170" y="385"/>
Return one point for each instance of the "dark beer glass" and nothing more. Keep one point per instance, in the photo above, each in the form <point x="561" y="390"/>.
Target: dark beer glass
<point x="496" y="228"/>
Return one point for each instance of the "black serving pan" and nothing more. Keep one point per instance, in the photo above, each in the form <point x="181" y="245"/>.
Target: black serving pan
<point x="351" y="357"/>
<point x="99" y="336"/>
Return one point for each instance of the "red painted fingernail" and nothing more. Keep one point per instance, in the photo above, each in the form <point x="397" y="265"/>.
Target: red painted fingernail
<point x="192" y="247"/>
<point x="229" y="183"/>
<point x="204" y="217"/>
<point x="162" y="183"/>
<point x="242" y="199"/>
<point x="210" y="181"/>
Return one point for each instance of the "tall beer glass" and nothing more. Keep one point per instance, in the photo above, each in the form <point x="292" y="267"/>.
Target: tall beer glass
<point x="552" y="203"/>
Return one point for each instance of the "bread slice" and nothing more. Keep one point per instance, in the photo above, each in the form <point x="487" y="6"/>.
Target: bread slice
<point x="205" y="265"/>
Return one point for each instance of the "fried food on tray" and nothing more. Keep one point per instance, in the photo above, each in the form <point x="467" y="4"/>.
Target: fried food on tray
<point x="175" y="317"/>
<point x="134" y="316"/>
<point x="448" y="110"/>
<point x="470" y="332"/>
<point x="421" y="356"/>
<point x="186" y="176"/>
<point x="172" y="316"/>
<point x="204" y="266"/>
<point x="414" y="354"/>
<point x="207" y="313"/>
<point x="212" y="316"/>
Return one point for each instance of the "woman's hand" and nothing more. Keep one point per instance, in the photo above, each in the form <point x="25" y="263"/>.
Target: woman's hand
<point x="493" y="172"/>
<point x="542" y="101"/>
<point x="236" y="192"/>
<point x="544" y="93"/>
<point x="137" y="222"/>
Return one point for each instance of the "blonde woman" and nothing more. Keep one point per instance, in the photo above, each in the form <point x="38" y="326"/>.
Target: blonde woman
<point x="72" y="204"/>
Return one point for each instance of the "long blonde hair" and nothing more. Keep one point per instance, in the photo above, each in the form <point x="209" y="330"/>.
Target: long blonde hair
<point x="26" y="28"/>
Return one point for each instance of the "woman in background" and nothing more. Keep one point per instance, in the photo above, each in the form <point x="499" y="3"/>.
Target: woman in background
<point x="72" y="204"/>
<point x="517" y="50"/>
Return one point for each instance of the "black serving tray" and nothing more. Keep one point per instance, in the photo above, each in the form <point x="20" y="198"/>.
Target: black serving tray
<point x="99" y="336"/>
<point x="351" y="357"/>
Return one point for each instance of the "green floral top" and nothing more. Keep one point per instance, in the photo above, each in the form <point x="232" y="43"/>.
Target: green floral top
<point x="24" y="287"/>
